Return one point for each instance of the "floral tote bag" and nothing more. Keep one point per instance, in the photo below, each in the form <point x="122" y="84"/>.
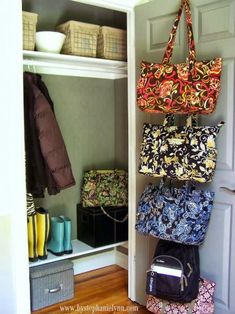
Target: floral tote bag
<point x="179" y="152"/>
<point x="105" y="188"/>
<point x="191" y="87"/>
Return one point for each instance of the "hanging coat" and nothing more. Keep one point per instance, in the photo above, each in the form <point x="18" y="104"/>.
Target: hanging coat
<point x="51" y="155"/>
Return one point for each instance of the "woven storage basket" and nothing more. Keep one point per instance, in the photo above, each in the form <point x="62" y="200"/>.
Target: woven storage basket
<point x="29" y="29"/>
<point x="81" y="38"/>
<point x="112" y="43"/>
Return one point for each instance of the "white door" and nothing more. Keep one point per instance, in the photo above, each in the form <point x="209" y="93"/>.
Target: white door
<point x="214" y="32"/>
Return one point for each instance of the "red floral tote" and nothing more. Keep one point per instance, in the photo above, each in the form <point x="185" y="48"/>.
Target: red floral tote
<point x="203" y="304"/>
<point x="191" y="87"/>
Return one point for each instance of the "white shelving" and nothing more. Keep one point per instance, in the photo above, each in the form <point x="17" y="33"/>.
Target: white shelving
<point x="59" y="64"/>
<point x="79" y="249"/>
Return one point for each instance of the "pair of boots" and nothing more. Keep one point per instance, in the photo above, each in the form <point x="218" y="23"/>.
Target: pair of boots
<point x="60" y="236"/>
<point x="38" y="232"/>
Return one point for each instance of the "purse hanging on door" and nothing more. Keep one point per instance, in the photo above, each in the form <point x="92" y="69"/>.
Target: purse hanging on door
<point x="203" y="304"/>
<point x="191" y="87"/>
<point x="179" y="215"/>
<point x="179" y="152"/>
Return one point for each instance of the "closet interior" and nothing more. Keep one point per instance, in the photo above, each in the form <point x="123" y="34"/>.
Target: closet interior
<point x="90" y="103"/>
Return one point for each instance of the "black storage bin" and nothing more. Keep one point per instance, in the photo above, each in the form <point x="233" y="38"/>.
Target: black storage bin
<point x="96" y="229"/>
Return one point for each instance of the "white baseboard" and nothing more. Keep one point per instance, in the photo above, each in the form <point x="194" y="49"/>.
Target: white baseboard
<point x="121" y="259"/>
<point x="92" y="262"/>
<point x="95" y="261"/>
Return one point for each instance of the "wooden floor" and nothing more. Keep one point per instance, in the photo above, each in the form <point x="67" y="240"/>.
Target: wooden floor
<point x="100" y="291"/>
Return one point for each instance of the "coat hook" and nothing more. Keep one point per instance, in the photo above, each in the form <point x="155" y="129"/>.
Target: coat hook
<point x="227" y="189"/>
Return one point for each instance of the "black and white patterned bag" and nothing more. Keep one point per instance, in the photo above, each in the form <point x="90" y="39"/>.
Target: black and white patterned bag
<point x="179" y="152"/>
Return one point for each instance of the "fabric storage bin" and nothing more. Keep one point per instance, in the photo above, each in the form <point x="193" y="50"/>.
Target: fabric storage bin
<point x="81" y="38"/>
<point x="51" y="283"/>
<point x="96" y="229"/>
<point x="112" y="43"/>
<point x="29" y="29"/>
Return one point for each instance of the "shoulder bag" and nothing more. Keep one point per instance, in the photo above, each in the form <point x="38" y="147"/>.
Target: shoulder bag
<point x="191" y="87"/>
<point x="179" y="152"/>
<point x="175" y="214"/>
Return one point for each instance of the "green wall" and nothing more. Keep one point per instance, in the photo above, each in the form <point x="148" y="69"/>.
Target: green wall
<point x="90" y="124"/>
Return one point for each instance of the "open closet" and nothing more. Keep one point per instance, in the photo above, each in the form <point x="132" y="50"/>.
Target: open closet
<point x="95" y="103"/>
<point x="90" y="104"/>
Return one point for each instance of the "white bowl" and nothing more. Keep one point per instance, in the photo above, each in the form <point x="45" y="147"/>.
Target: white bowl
<point x="49" y="41"/>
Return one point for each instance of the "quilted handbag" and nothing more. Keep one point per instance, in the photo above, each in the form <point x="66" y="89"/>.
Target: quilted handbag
<point x="203" y="304"/>
<point x="176" y="214"/>
<point x="191" y="87"/>
<point x="105" y="188"/>
<point x="179" y="152"/>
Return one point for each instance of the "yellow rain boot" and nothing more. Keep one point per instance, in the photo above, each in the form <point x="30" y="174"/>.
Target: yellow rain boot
<point x="43" y="225"/>
<point x="32" y="237"/>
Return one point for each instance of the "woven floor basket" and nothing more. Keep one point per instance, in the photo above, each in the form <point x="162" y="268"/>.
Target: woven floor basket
<point x="29" y="29"/>
<point x="112" y="43"/>
<point x="81" y="38"/>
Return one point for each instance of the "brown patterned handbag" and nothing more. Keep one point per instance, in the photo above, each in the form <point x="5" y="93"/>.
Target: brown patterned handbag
<point x="191" y="87"/>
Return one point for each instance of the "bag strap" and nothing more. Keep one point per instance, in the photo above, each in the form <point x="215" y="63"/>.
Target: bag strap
<point x="192" y="120"/>
<point x="169" y="120"/>
<point x="191" y="44"/>
<point x="117" y="220"/>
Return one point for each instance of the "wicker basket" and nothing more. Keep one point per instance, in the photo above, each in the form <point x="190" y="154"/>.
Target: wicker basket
<point x="81" y="38"/>
<point x="29" y="29"/>
<point x="112" y="43"/>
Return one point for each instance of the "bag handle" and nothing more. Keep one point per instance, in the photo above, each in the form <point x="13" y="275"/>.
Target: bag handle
<point x="192" y="120"/>
<point x="102" y="208"/>
<point x="188" y="186"/>
<point x="111" y="217"/>
<point x="169" y="120"/>
<point x="171" y="42"/>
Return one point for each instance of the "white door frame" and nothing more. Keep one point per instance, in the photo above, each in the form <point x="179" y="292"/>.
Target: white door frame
<point x="13" y="202"/>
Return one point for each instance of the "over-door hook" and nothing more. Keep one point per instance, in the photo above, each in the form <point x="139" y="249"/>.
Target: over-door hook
<point x="227" y="189"/>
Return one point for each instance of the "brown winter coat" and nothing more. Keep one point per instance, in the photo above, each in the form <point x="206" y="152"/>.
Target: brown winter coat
<point x="50" y="138"/>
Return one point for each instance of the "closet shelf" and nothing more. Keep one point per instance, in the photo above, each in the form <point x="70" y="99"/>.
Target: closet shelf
<point x="59" y="64"/>
<point x="79" y="249"/>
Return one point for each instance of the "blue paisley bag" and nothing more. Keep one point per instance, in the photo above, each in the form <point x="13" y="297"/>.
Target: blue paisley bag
<point x="176" y="214"/>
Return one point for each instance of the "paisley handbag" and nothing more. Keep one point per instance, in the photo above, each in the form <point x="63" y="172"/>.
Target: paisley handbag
<point x="179" y="152"/>
<point x="191" y="87"/>
<point x="175" y="214"/>
<point x="105" y="188"/>
<point x="203" y="304"/>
